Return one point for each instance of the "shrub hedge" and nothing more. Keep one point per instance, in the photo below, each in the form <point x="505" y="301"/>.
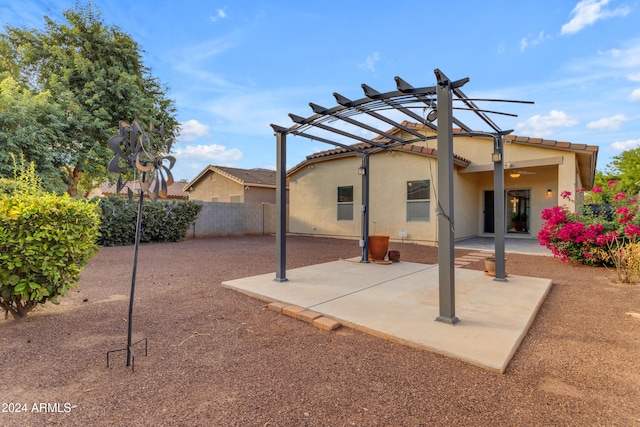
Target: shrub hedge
<point x="162" y="221"/>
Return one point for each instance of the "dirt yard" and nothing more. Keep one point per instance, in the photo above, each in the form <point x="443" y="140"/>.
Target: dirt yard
<point x="220" y="358"/>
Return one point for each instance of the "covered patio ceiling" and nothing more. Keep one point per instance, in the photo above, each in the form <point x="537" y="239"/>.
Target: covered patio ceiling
<point x="339" y="127"/>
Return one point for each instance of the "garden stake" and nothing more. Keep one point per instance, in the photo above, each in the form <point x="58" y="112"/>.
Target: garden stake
<point x="129" y="147"/>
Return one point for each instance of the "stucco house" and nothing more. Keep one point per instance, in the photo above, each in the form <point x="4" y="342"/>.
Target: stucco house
<point x="233" y="185"/>
<point x="325" y="190"/>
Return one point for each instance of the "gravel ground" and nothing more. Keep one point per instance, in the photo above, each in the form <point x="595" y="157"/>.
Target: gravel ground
<point x="219" y="358"/>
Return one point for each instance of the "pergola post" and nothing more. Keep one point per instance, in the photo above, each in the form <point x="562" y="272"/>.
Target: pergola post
<point x="445" y="202"/>
<point x="363" y="171"/>
<point x="281" y="207"/>
<point x="499" y="206"/>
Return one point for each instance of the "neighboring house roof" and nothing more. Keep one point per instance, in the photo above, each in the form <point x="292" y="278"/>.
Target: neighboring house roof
<point x="174" y="191"/>
<point x="251" y="177"/>
<point x="587" y="154"/>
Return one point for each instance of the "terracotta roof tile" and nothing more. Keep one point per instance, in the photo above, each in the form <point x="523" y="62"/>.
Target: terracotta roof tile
<point x="174" y="190"/>
<point x="251" y="176"/>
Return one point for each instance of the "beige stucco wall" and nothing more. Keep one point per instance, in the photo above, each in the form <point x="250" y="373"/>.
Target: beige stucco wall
<point x="313" y="190"/>
<point x="223" y="188"/>
<point x="313" y="197"/>
<point x="260" y="195"/>
<point x="215" y="185"/>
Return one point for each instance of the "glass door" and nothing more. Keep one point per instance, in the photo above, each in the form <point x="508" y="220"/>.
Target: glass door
<point x="518" y="207"/>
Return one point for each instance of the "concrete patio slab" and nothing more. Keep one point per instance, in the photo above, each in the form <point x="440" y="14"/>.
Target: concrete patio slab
<point x="400" y="302"/>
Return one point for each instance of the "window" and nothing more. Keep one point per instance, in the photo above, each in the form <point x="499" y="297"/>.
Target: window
<point x="418" y="200"/>
<point x="236" y="199"/>
<point x="345" y="203"/>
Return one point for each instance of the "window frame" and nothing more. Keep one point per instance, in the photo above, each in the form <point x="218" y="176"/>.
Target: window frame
<point x="415" y="201"/>
<point x="344" y="204"/>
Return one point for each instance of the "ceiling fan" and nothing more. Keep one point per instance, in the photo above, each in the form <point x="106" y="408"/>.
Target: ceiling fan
<point x="517" y="173"/>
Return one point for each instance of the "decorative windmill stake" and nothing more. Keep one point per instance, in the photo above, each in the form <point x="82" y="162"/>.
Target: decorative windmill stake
<point x="133" y="152"/>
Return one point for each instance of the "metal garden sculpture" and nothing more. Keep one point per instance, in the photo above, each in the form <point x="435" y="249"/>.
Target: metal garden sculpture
<point x="134" y="153"/>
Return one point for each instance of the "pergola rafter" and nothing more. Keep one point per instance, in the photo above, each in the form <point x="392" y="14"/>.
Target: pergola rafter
<point x="439" y="100"/>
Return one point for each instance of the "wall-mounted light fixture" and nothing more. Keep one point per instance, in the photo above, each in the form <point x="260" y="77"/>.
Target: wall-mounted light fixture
<point x="362" y="170"/>
<point x="514" y="175"/>
<point x="549" y="193"/>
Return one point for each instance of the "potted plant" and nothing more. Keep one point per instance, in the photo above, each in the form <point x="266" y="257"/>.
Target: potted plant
<point x="520" y="221"/>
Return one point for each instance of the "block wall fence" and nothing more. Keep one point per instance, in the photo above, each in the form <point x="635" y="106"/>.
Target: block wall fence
<point x="234" y="219"/>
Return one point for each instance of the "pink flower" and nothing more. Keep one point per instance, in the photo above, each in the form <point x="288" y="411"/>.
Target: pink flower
<point x="624" y="214"/>
<point x="597" y="189"/>
<point x="612" y="182"/>
<point x="619" y="196"/>
<point x="565" y="194"/>
<point x="632" y="230"/>
<point x="580" y="190"/>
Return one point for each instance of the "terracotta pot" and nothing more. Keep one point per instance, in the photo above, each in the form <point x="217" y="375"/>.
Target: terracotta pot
<point x="490" y="265"/>
<point x="378" y="247"/>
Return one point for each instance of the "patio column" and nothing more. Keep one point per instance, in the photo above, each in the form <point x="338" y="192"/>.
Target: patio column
<point x="499" y="206"/>
<point x="281" y="207"/>
<point x="446" y="253"/>
<point x="364" y="208"/>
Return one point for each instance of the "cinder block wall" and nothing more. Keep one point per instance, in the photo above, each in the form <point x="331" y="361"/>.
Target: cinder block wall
<point x="234" y="219"/>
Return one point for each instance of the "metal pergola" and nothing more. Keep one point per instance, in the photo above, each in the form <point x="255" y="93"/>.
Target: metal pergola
<point x="327" y="124"/>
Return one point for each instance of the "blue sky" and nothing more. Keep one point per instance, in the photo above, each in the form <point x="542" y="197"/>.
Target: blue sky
<point x="234" y="67"/>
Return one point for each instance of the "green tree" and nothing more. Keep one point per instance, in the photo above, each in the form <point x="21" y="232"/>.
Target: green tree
<point x="625" y="168"/>
<point x="25" y="121"/>
<point x="96" y="76"/>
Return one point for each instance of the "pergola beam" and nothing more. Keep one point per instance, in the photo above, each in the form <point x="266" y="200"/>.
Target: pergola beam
<point x="374" y="94"/>
<point x="348" y="103"/>
<point x="321" y="110"/>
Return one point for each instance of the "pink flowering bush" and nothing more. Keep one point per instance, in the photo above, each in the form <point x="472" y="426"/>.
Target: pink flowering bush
<point x="608" y="216"/>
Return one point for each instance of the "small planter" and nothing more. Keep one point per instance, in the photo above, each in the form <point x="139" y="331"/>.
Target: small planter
<point x="394" y="256"/>
<point x="490" y="265"/>
<point x="378" y="247"/>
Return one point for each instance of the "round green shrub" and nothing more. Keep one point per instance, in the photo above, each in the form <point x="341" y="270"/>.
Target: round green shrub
<point x="45" y="241"/>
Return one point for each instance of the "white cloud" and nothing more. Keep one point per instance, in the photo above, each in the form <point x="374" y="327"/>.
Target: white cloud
<point x="523" y="44"/>
<point x="608" y="123"/>
<point x="587" y="12"/>
<point x="539" y="126"/>
<point x="635" y="95"/>
<point x="533" y="41"/>
<point x="213" y="154"/>
<point x="634" y="77"/>
<point x="626" y="145"/>
<point x="220" y="14"/>
<point x="370" y="62"/>
<point x="192" y="130"/>
<point x="501" y="48"/>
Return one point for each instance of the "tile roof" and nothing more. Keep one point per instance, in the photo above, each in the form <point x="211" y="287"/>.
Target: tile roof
<point x="251" y="176"/>
<point x="174" y="190"/>
<point x="511" y="138"/>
